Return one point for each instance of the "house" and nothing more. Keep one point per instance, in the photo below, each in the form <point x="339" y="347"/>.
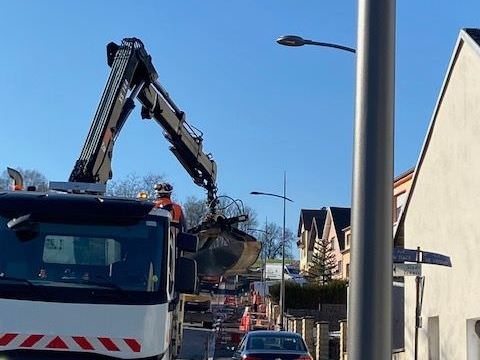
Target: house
<point x="304" y="242"/>
<point x="441" y="215"/>
<point x="337" y="218"/>
<point x="315" y="225"/>
<point x="401" y="187"/>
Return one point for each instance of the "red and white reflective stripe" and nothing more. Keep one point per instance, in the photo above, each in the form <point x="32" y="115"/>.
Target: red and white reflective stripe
<point x="72" y="343"/>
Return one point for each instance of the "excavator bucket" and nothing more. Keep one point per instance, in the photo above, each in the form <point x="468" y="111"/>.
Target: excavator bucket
<point x="16" y="177"/>
<point x="224" y="249"/>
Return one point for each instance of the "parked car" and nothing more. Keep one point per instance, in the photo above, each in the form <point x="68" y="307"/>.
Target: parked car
<point x="270" y="345"/>
<point x="274" y="272"/>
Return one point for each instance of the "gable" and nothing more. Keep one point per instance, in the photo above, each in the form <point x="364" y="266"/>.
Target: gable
<point x="460" y="88"/>
<point x="340" y="220"/>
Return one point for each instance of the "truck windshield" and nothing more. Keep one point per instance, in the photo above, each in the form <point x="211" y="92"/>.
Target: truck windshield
<point x="120" y="258"/>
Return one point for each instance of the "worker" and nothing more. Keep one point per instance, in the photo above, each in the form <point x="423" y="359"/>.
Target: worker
<point x="163" y="193"/>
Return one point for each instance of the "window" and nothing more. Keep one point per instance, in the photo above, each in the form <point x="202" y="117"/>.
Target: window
<point x="339" y="267"/>
<point x="398" y="203"/>
<point x="347" y="270"/>
<point x="77" y="250"/>
<point x="275" y="342"/>
<point x="348" y="239"/>
<point x="68" y="260"/>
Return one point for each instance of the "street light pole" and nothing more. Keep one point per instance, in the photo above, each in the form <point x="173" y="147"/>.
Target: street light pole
<point x="370" y="303"/>
<point x="282" y="281"/>
<point x="370" y="298"/>
<point x="282" y="284"/>
<point x="265" y="259"/>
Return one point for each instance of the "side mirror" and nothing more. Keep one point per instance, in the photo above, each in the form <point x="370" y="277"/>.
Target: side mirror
<point x="187" y="242"/>
<point x="186" y="276"/>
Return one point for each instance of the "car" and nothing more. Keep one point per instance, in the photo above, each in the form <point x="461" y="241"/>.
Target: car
<point x="272" y="345"/>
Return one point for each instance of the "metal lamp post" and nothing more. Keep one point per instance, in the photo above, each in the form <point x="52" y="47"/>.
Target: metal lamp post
<point x="370" y="300"/>
<point x="282" y="282"/>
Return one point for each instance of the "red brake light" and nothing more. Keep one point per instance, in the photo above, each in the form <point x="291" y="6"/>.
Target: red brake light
<point x="249" y="357"/>
<point x="304" y="357"/>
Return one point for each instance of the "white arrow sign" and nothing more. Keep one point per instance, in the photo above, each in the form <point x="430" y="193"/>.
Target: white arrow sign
<point x="402" y="270"/>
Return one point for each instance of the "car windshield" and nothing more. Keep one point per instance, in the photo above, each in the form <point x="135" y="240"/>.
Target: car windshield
<point x="275" y="342"/>
<point x="118" y="257"/>
<point x="293" y="271"/>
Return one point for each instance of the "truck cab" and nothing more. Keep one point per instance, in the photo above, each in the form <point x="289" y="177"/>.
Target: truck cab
<point x="88" y="275"/>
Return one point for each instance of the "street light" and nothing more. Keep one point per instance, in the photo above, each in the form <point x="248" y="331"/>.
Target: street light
<point x="294" y="40"/>
<point x="370" y="303"/>
<point x="282" y="281"/>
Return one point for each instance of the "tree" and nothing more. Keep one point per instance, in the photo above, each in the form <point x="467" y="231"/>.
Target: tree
<point x="324" y="263"/>
<point x="132" y="184"/>
<point x="31" y="177"/>
<point x="194" y="210"/>
<point x="272" y="241"/>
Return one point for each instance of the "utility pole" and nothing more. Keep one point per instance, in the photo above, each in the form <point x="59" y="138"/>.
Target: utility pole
<point x="370" y="303"/>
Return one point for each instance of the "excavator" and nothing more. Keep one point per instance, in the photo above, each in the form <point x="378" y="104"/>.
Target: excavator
<point x="224" y="249"/>
<point x="84" y="275"/>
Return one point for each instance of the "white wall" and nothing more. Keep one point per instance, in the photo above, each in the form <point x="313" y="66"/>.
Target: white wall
<point x="444" y="215"/>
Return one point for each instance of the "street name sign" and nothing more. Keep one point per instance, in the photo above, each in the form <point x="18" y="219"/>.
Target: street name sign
<point x="401" y="270"/>
<point x="436" y="259"/>
<point x="401" y="255"/>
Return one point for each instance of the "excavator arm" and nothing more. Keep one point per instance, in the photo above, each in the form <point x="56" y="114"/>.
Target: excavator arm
<point x="134" y="76"/>
<point x="223" y="248"/>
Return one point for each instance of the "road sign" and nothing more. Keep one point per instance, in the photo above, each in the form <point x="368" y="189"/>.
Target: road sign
<point x="436" y="259"/>
<point x="402" y="270"/>
<point x="401" y="255"/>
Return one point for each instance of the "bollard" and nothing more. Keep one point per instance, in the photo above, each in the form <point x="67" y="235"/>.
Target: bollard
<point x="298" y="325"/>
<point x="307" y="333"/>
<point x="288" y="324"/>
<point x="276" y="313"/>
<point x="343" y="339"/>
<point x="322" y="350"/>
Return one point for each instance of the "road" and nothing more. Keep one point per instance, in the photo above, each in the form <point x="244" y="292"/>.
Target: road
<point x="198" y="344"/>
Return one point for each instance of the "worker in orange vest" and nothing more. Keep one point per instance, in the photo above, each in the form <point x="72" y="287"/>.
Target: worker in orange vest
<point x="163" y="193"/>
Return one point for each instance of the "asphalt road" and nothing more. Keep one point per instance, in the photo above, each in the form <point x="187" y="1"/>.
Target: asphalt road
<point x="196" y="343"/>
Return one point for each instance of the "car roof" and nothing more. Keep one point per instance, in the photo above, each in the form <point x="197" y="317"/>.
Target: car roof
<point x="273" y="332"/>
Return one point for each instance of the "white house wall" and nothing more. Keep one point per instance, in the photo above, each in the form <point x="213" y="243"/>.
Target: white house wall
<point x="444" y="216"/>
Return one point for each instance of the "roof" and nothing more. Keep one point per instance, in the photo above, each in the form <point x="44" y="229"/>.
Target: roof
<point x="51" y="205"/>
<point x="273" y="333"/>
<point x="306" y="217"/>
<point x="404" y="174"/>
<point x="471" y="37"/>
<point x="341" y="220"/>
<point x="319" y="222"/>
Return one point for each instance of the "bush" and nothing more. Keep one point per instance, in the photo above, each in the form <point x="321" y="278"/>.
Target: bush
<point x="310" y="296"/>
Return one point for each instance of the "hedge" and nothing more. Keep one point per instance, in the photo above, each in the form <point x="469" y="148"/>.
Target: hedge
<point x="310" y="296"/>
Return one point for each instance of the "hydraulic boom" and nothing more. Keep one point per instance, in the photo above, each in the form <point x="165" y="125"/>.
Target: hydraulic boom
<point x="134" y="76"/>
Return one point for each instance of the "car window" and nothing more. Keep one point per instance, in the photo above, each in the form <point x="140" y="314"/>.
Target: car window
<point x="275" y="342"/>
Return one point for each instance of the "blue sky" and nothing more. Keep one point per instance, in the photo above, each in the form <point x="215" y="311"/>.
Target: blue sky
<point x="263" y="108"/>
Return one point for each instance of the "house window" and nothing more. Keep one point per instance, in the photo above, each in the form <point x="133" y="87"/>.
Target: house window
<point x="348" y="239"/>
<point x="339" y="267"/>
<point x="347" y="270"/>
<point x="398" y="203"/>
